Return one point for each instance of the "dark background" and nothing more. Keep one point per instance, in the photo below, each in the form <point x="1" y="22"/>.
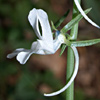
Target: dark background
<point x="44" y="74"/>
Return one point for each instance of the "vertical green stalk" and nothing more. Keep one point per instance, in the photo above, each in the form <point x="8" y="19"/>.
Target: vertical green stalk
<point x="70" y="57"/>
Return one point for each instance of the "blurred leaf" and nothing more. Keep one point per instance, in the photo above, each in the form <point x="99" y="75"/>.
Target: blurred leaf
<point x="79" y="95"/>
<point x="54" y="83"/>
<point x="14" y="35"/>
<point x="8" y="70"/>
<point x="1" y="34"/>
<point x="5" y="9"/>
<point x="2" y="49"/>
<point x="58" y="23"/>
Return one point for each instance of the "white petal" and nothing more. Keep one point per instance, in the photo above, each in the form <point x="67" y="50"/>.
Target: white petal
<point x="14" y="53"/>
<point x="56" y="45"/>
<point x="73" y="76"/>
<point x="22" y="57"/>
<point x="58" y="41"/>
<point x="36" y="16"/>
<point x="11" y="55"/>
<point x="41" y="52"/>
<point x="33" y="19"/>
<point x="84" y="15"/>
<point x="46" y="30"/>
<point x="41" y="45"/>
<point x="36" y="46"/>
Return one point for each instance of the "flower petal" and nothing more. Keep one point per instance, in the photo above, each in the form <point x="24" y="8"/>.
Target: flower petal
<point x="73" y="76"/>
<point x="46" y="30"/>
<point x="84" y="15"/>
<point x="36" y="16"/>
<point x="58" y="41"/>
<point x="33" y="19"/>
<point x="56" y="45"/>
<point x="41" y="47"/>
<point x="14" y="53"/>
<point x="36" y="46"/>
<point x="22" y="57"/>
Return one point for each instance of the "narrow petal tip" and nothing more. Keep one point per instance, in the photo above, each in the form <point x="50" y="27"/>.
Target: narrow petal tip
<point x="11" y="55"/>
<point x="49" y="95"/>
<point x="46" y="95"/>
<point x="8" y="56"/>
<point x="98" y="27"/>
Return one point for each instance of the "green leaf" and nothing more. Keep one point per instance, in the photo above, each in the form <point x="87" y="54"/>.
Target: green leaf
<point x="85" y="43"/>
<point x="58" y="23"/>
<point x="80" y="44"/>
<point x="53" y="26"/>
<point x="74" y="21"/>
<point x="63" y="49"/>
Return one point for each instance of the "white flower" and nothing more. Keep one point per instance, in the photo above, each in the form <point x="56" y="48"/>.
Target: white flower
<point x="45" y="44"/>
<point x="84" y="15"/>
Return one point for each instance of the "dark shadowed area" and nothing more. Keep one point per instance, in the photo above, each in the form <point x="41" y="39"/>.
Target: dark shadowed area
<point x="45" y="74"/>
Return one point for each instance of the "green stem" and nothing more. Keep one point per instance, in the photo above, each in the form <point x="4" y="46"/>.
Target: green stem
<point x="70" y="57"/>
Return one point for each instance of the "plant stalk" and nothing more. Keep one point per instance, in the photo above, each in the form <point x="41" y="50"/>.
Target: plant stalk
<point x="70" y="56"/>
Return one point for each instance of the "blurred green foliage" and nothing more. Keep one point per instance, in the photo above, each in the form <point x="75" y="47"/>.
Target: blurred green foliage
<point x="18" y="82"/>
<point x="94" y="14"/>
<point x="80" y="95"/>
